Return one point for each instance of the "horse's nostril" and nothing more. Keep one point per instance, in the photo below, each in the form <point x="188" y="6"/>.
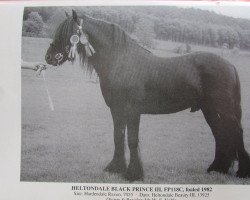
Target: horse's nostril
<point x="47" y="57"/>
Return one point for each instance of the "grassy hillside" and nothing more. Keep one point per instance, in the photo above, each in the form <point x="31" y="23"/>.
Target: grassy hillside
<point x="189" y="25"/>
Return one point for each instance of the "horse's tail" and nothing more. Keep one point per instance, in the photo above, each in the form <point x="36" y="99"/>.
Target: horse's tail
<point x="237" y="97"/>
<point x="243" y="157"/>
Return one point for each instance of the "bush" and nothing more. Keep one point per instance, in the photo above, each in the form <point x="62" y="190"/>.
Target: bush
<point x="144" y="31"/>
<point x="52" y="24"/>
<point x="33" y="26"/>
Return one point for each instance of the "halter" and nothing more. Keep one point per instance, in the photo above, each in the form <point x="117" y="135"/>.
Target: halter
<point x="83" y="39"/>
<point x="58" y="56"/>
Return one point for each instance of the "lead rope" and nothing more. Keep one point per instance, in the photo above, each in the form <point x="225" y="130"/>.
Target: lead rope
<point x="51" y="105"/>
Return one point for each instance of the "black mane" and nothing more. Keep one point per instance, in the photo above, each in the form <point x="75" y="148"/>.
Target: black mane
<point x="63" y="33"/>
<point x="119" y="36"/>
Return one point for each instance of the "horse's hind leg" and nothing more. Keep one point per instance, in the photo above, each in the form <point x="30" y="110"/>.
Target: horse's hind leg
<point x="118" y="163"/>
<point x="224" y="120"/>
<point x="244" y="160"/>
<point x="226" y="132"/>
<point x="243" y="157"/>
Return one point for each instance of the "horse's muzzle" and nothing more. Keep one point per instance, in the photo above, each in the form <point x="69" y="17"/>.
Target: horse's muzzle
<point x="48" y="59"/>
<point x="54" y="60"/>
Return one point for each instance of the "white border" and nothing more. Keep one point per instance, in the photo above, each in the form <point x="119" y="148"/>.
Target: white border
<point x="122" y="3"/>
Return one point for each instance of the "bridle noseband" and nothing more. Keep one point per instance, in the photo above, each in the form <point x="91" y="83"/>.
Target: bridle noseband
<point x="58" y="56"/>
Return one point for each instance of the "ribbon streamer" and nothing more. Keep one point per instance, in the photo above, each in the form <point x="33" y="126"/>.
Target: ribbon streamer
<point x="84" y="40"/>
<point x="72" y="51"/>
<point x="91" y="48"/>
<point x="88" y="51"/>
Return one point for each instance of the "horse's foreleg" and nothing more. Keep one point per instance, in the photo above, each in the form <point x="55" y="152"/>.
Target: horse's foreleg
<point x="134" y="171"/>
<point x="118" y="163"/>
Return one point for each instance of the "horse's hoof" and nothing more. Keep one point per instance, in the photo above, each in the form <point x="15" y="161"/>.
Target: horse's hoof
<point x="244" y="167"/>
<point x="217" y="168"/>
<point x="133" y="177"/>
<point x="134" y="173"/>
<point x="116" y="167"/>
<point x="243" y="173"/>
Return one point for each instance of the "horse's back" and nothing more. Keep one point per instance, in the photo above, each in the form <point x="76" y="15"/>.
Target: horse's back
<point x="187" y="81"/>
<point x="158" y="86"/>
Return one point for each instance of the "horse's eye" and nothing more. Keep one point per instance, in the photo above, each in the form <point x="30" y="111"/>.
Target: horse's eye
<point x="52" y="45"/>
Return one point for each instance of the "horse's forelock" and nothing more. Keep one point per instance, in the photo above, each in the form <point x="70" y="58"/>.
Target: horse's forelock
<point x="63" y="33"/>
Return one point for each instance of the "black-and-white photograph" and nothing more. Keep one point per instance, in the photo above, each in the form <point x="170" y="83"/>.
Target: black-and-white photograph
<point x="135" y="94"/>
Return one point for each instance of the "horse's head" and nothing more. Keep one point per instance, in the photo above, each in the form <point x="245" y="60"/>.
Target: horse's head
<point x="70" y="38"/>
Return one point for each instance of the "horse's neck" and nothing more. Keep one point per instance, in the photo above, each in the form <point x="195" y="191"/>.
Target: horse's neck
<point x="101" y="37"/>
<point x="109" y="43"/>
<point x="100" y="34"/>
<point x="98" y="40"/>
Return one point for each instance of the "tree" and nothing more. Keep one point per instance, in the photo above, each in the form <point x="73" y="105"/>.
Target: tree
<point x="33" y="26"/>
<point x="52" y="24"/>
<point x="144" y="31"/>
<point x="44" y="12"/>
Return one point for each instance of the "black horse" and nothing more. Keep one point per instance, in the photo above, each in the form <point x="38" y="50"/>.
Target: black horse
<point x="133" y="81"/>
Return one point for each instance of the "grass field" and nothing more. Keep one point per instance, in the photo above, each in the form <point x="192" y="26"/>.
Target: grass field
<point x="75" y="142"/>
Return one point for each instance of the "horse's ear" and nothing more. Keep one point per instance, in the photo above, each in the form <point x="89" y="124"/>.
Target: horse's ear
<point x="67" y="14"/>
<point x="74" y="15"/>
